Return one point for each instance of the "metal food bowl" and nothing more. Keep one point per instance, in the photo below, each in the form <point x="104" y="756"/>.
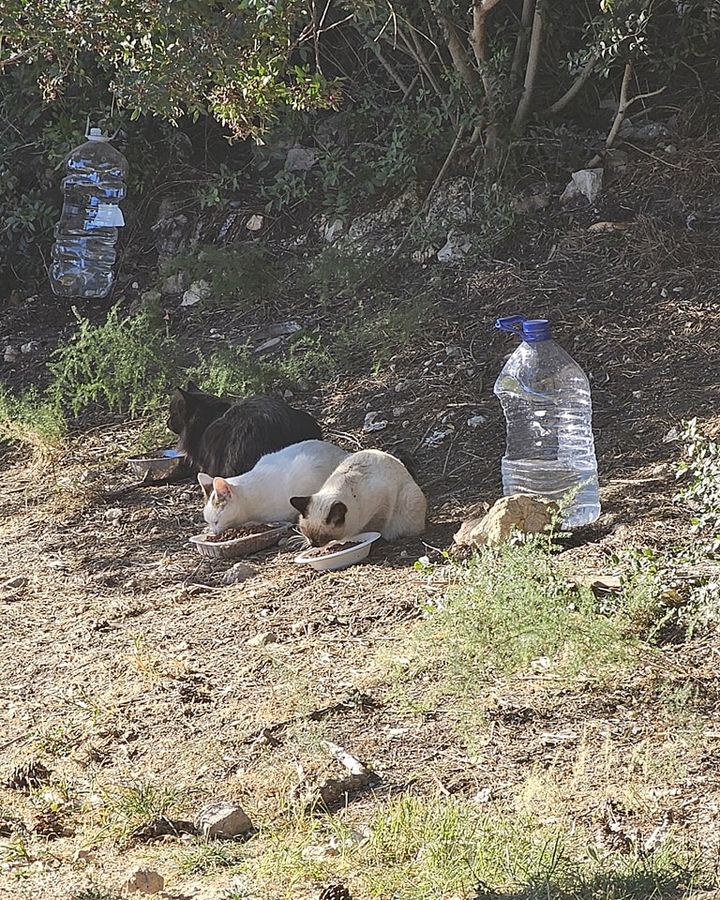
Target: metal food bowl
<point x="158" y="464"/>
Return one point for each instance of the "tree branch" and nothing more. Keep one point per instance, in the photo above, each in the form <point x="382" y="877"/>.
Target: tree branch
<point x="624" y="105"/>
<point x="574" y="89"/>
<point x="456" y="46"/>
<point x="533" y="63"/>
<point x="526" y="18"/>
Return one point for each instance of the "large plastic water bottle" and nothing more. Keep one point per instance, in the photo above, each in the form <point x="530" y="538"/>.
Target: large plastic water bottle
<point x="85" y="237"/>
<point x="545" y="396"/>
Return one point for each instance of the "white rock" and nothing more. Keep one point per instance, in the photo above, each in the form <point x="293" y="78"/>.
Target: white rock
<point x="143" y="881"/>
<point x="222" y="820"/>
<point x="476" y="421"/>
<point x="239" y="572"/>
<point x="333" y="230"/>
<point x="262" y="639"/>
<point x="438" y="436"/>
<point x="196" y="293"/>
<point x="455" y="249"/>
<point x="372" y="423"/>
<point x="29" y="347"/>
<point x="586" y="183"/>
<point x="10" y="355"/>
<point x="255" y="223"/>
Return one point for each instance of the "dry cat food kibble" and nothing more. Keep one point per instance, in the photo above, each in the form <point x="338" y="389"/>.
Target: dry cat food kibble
<point x="332" y="547"/>
<point x="233" y="534"/>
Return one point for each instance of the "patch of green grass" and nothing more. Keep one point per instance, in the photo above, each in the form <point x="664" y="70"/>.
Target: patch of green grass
<point x="202" y="856"/>
<point x="57" y="740"/>
<point x="129" y="807"/>
<point x="125" y="365"/>
<point x="425" y="848"/>
<point x="512" y="607"/>
<point x="31" y="420"/>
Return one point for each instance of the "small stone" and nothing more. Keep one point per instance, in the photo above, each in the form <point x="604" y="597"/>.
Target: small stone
<point x="113" y="514"/>
<point x="135" y="286"/>
<point x="222" y="820"/>
<point x="30" y="347"/>
<point x="300" y="159"/>
<point x="521" y="512"/>
<point x="11" y="354"/>
<point x="455" y="248"/>
<point x="318" y="853"/>
<point x="143" y="881"/>
<point x="237" y="573"/>
<point x="262" y="639"/>
<point x="476" y="421"/>
<point x="196" y="293"/>
<point x="255" y="223"/>
<point x="373" y="423"/>
<point x="174" y="284"/>
<point x="586" y="183"/>
<point x="333" y="230"/>
<point x="82" y="856"/>
<point x="14" y="584"/>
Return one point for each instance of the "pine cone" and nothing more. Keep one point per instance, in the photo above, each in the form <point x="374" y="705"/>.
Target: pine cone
<point x="335" y="892"/>
<point x="49" y="824"/>
<point x="28" y="777"/>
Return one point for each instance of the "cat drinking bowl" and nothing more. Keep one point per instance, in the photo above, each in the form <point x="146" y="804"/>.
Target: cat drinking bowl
<point x="239" y="541"/>
<point x="339" y="554"/>
<point x="157" y="464"/>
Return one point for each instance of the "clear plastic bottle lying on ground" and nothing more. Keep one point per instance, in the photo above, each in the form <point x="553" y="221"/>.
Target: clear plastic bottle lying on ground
<point x="85" y="237"/>
<point x="545" y="397"/>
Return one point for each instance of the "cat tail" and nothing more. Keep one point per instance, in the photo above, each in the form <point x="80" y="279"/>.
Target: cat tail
<point x="407" y="460"/>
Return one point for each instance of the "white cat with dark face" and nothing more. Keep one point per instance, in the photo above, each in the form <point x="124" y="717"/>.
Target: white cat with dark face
<point x="263" y="494"/>
<point x="369" y="491"/>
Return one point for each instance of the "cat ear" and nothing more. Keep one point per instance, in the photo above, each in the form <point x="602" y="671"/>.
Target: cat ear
<point x="223" y="489"/>
<point x="206" y="483"/>
<point x="337" y="514"/>
<point x="192" y="388"/>
<point x="300" y="503"/>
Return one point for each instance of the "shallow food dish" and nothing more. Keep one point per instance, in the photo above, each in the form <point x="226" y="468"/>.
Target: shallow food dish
<point x="157" y="464"/>
<point x="255" y="540"/>
<point x="356" y="549"/>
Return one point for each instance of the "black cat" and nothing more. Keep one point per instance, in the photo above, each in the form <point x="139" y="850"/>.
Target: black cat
<point x="225" y="439"/>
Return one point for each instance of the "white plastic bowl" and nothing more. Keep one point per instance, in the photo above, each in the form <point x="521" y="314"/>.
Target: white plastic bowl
<point x="343" y="558"/>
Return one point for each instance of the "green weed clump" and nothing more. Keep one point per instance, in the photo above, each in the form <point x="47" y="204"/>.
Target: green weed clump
<point x="31" y="420"/>
<point x="674" y="593"/>
<point x="124" y="364"/>
<point x="128" y="808"/>
<point x="512" y="606"/>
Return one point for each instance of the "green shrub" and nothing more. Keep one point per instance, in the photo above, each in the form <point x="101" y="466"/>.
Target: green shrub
<point x="126" y="365"/>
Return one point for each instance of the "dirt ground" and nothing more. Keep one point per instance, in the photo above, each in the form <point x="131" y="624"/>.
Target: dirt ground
<point x="124" y="657"/>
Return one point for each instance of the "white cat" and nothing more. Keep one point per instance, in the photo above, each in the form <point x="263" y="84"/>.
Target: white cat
<point x="263" y="494"/>
<point x="369" y="491"/>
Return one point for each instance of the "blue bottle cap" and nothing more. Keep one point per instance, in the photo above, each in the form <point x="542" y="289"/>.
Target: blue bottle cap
<point x="531" y="330"/>
<point x="536" y="330"/>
